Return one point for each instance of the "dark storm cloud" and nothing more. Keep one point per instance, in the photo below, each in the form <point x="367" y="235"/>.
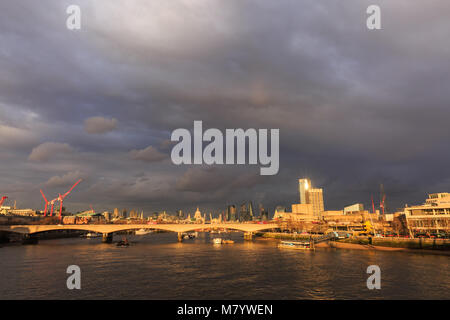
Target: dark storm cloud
<point x="355" y="108"/>
<point x="211" y="179"/>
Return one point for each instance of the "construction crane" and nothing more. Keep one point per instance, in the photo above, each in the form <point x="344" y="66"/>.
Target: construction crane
<point x="52" y="206"/>
<point x="369" y="227"/>
<point x="373" y="205"/>
<point x="46" y="203"/>
<point x="61" y="198"/>
<point x="3" y="200"/>
<point x="382" y="198"/>
<point x="382" y="205"/>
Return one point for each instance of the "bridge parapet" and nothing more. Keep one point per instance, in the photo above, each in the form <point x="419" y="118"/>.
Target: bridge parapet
<point x="111" y="228"/>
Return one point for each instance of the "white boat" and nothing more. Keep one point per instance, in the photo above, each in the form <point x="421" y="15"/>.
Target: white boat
<point x="142" y="232"/>
<point x="297" y="245"/>
<point x="217" y="240"/>
<point x="91" y="235"/>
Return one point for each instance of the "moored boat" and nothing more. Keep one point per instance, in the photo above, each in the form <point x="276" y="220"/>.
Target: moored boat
<point x="123" y="243"/>
<point x="217" y="240"/>
<point x="91" y="235"/>
<point x="142" y="232"/>
<point x="297" y="245"/>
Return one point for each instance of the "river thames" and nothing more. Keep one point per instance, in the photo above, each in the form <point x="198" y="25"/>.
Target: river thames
<point x="156" y="266"/>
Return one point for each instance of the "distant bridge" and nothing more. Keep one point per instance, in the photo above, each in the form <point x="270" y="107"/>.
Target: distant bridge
<point x="108" y="229"/>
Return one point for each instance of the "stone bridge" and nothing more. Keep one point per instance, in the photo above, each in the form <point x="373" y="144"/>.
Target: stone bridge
<point x="108" y="229"/>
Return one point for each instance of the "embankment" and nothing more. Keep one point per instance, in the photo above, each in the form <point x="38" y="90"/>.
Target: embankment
<point x="421" y="245"/>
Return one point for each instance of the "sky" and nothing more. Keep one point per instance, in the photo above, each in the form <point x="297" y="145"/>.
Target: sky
<point x="355" y="107"/>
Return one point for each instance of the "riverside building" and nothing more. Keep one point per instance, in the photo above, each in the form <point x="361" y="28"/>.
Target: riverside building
<point x="431" y="217"/>
<point x="311" y="196"/>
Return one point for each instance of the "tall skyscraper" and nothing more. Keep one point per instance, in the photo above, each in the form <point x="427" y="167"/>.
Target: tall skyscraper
<point x="231" y="213"/>
<point x="310" y="195"/>
<point x="251" y="214"/>
<point x="246" y="212"/>
<point x="243" y="212"/>
<point x="263" y="214"/>
<point x="316" y="199"/>
<point x="303" y="186"/>
<point x="107" y="215"/>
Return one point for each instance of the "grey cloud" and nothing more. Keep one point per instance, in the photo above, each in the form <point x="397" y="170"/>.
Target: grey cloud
<point x="12" y="137"/>
<point x="201" y="180"/>
<point x="149" y="154"/>
<point x="47" y="150"/>
<point x="65" y="180"/>
<point x="167" y="144"/>
<point x="99" y="125"/>
<point x="211" y="179"/>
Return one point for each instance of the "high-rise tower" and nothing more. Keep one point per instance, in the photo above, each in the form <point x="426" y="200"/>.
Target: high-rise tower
<point x="310" y="195"/>
<point x="303" y="186"/>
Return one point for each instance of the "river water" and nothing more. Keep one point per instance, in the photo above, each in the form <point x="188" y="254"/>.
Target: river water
<point x="155" y="266"/>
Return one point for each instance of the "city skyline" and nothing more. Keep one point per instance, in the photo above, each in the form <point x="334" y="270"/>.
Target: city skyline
<point x="99" y="104"/>
<point x="310" y="203"/>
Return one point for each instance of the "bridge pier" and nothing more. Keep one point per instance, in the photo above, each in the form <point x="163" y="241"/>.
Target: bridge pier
<point x="107" y="238"/>
<point x="248" y="236"/>
<point x="29" y="239"/>
<point x="180" y="236"/>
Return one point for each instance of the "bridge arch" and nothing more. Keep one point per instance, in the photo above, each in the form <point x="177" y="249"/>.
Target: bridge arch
<point x="109" y="229"/>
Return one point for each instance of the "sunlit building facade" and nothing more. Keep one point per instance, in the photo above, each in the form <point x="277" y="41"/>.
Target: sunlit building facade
<point x="431" y="217"/>
<point x="310" y="195"/>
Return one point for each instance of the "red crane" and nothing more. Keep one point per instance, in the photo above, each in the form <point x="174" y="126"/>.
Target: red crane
<point x="61" y="198"/>
<point x="46" y="203"/>
<point x="3" y="200"/>
<point x="373" y="205"/>
<point x="382" y="203"/>
<point x="52" y="203"/>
